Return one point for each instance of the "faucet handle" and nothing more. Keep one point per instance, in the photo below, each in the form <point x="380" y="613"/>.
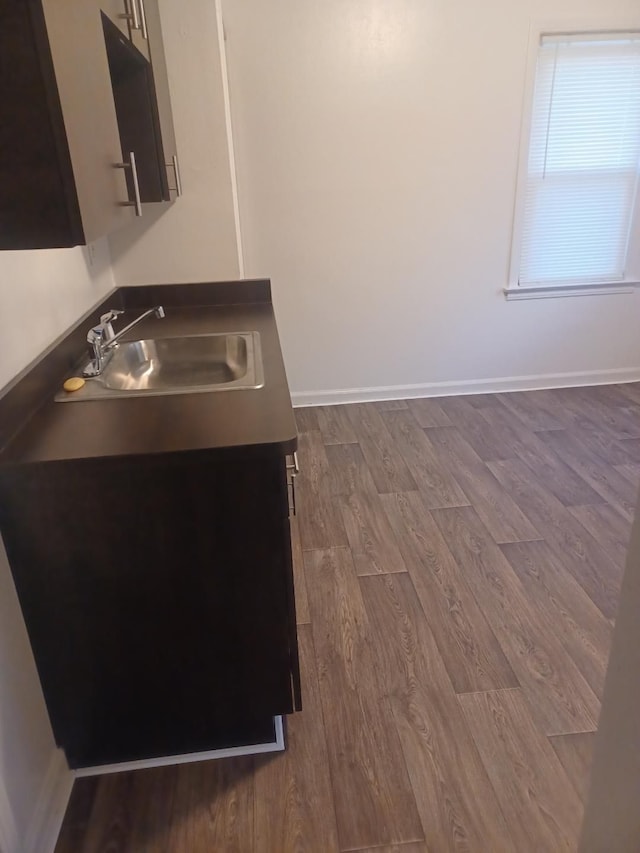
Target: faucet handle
<point x="111" y="315"/>
<point x="96" y="334"/>
<point x="106" y="320"/>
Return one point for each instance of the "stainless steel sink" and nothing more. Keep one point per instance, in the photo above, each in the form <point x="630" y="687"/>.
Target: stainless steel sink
<point x="181" y="365"/>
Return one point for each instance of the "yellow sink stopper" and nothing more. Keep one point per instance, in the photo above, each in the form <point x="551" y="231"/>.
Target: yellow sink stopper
<point x="75" y="383"/>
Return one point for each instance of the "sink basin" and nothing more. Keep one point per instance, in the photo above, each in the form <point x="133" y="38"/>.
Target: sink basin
<point x="181" y="365"/>
<point x="155" y="365"/>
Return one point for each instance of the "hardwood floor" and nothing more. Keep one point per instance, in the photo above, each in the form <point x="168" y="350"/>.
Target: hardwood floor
<point x="293" y="794"/>
<point x="457" y="566"/>
<point x="559" y="695"/>
<point x="525" y="772"/>
<point x="374" y="800"/>
<point x="468" y="646"/>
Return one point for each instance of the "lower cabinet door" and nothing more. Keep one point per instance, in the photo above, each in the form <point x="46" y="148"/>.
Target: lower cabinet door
<point x="159" y="604"/>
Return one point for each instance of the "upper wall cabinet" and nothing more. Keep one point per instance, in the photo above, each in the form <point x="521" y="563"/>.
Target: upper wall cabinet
<point x="86" y="132"/>
<point x="130" y="16"/>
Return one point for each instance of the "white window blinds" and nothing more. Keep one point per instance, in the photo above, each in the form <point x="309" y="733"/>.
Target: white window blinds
<point x="584" y="155"/>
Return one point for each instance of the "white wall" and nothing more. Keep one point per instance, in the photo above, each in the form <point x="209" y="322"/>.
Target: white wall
<point x="27" y="749"/>
<point x="377" y="147"/>
<point x="42" y="293"/>
<point x="195" y="240"/>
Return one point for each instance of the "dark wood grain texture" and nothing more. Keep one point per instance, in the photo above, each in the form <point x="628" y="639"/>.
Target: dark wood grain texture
<point x="373" y="543"/>
<point x="111" y="817"/>
<point x="560" y="696"/>
<point x="559" y="478"/>
<point x="486" y="440"/>
<point x="609" y="410"/>
<point x="468" y="647"/>
<point x="319" y="517"/>
<point x="601" y="476"/>
<point x="153" y="796"/>
<point x="552" y="590"/>
<point x="608" y="527"/>
<point x="593" y="412"/>
<point x="348" y="471"/>
<point x="536" y="797"/>
<point x="390" y="405"/>
<point x="294" y="807"/>
<point x="630" y="472"/>
<point x="604" y="445"/>
<point x="411" y="847"/>
<point x="429" y="413"/>
<point x="433" y="479"/>
<point x="121" y="812"/>
<point x="388" y="467"/>
<point x="611" y="396"/>
<point x="307" y="419"/>
<point x="631" y="449"/>
<point x="76" y="820"/>
<point x="583" y="556"/>
<point x="631" y="391"/>
<point x="499" y="513"/>
<point x="482" y="401"/>
<point x="457" y="804"/>
<point x="587" y="412"/>
<point x="374" y="800"/>
<point x="214" y="806"/>
<point x="335" y="426"/>
<point x="537" y="410"/>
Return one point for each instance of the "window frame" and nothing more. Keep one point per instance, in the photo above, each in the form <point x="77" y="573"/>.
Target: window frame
<point x="514" y="290"/>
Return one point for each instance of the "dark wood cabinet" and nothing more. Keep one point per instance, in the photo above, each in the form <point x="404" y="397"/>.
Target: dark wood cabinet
<point x="158" y="596"/>
<point x="141" y="94"/>
<point x="77" y="96"/>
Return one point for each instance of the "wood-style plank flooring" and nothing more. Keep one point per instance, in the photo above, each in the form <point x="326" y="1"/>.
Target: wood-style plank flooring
<point x="457" y="564"/>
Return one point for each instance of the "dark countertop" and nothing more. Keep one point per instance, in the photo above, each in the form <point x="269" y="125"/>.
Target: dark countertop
<point x="161" y="424"/>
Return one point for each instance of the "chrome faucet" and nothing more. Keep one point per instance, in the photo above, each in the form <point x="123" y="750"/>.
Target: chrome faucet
<point x="103" y="339"/>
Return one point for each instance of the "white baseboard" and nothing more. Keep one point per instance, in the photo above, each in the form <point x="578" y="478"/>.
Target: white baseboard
<point x="50" y="808"/>
<point x="276" y="745"/>
<point x="474" y="386"/>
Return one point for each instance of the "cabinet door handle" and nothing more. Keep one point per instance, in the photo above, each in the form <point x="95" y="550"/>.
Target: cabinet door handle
<point x="176" y="171"/>
<point x="136" y="186"/>
<point x="131" y="16"/>
<point x="293" y="466"/>
<point x="292" y="507"/>
<point x="143" y="20"/>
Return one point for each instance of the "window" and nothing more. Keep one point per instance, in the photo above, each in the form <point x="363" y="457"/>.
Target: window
<point x="577" y="214"/>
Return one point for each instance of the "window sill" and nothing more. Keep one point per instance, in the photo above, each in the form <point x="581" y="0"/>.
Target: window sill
<point x="554" y="291"/>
